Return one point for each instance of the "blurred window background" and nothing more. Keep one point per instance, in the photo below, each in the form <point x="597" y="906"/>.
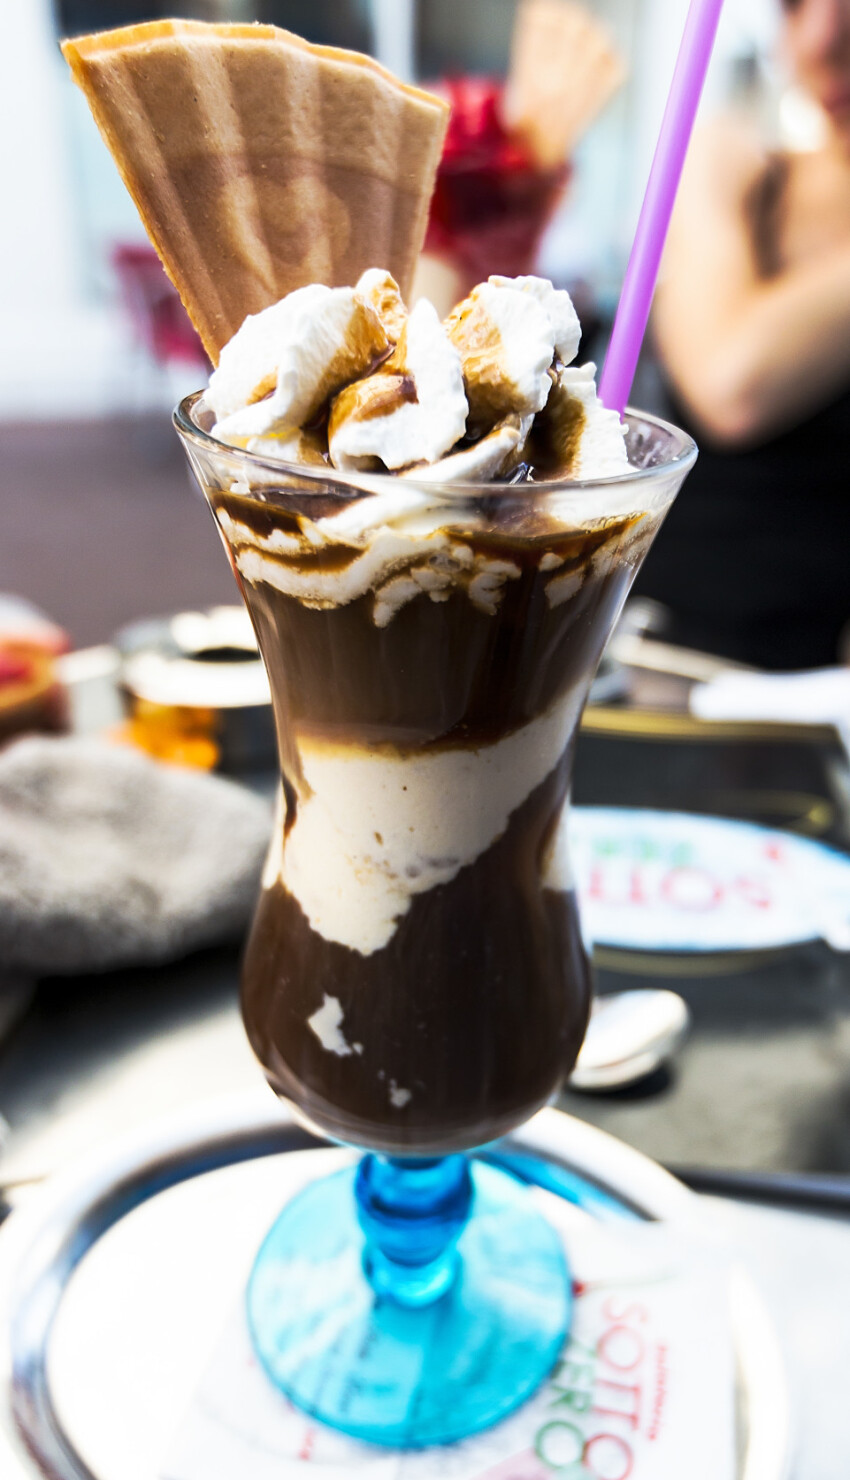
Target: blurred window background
<point x="58" y="290"/>
<point x="96" y="351"/>
<point x="330" y="22"/>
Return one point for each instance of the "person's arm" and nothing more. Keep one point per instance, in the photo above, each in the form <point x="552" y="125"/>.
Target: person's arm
<point x="749" y="356"/>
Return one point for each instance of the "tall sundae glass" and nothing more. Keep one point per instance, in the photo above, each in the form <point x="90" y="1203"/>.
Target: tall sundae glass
<point x="434" y="525"/>
<point x="415" y="982"/>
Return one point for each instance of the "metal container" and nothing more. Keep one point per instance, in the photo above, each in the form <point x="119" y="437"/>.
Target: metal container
<point x="194" y="688"/>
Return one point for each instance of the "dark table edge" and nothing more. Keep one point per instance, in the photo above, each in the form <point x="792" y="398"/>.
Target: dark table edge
<point x="804" y="1191"/>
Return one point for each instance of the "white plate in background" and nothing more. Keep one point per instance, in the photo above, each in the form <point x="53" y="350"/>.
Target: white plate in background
<point x="678" y="881"/>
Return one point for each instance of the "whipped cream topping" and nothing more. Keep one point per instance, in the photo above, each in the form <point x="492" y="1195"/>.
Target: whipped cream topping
<point x="381" y="291"/>
<point x="557" y="305"/>
<point x="290" y="445"/>
<point x="450" y="403"/>
<point x="412" y="411"/>
<point x="376" y="827"/>
<point x="597" y="447"/>
<point x="492" y="457"/>
<point x="281" y="366"/>
<point x="506" y="341"/>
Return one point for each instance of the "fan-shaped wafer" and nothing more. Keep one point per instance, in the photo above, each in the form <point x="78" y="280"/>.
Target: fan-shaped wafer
<point x="260" y="163"/>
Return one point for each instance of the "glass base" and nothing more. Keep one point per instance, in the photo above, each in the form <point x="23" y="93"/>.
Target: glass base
<point x="404" y="1375"/>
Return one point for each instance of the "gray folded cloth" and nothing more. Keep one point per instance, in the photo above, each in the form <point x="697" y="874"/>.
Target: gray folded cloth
<point x="110" y="859"/>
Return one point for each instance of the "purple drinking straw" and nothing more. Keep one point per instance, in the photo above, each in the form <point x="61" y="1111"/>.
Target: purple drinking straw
<point x="673" y="140"/>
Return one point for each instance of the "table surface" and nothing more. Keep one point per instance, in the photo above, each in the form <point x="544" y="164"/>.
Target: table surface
<point x="763" y="1084"/>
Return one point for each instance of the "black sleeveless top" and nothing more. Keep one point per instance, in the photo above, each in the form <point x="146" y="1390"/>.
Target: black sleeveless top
<point x="754" y="558"/>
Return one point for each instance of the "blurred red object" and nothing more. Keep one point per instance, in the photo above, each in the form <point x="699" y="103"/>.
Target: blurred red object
<point x="31" y="697"/>
<point x="21" y="622"/>
<point x="153" y="303"/>
<point x="492" y="201"/>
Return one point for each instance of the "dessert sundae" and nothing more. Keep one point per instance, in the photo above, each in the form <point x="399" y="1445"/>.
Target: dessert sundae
<point x="415" y="976"/>
<point x="434" y="522"/>
<point x="401" y="500"/>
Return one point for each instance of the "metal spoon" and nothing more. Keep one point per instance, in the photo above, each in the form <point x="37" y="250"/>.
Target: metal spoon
<point x="630" y="1035"/>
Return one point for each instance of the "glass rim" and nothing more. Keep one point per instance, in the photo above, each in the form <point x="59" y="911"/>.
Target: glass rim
<point x="683" y="458"/>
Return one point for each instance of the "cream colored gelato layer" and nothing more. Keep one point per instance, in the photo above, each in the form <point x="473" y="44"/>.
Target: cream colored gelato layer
<point x="377" y="827"/>
<point x="413" y="556"/>
<point x="327" y="1026"/>
<point x="627" y="552"/>
<point x="401" y="549"/>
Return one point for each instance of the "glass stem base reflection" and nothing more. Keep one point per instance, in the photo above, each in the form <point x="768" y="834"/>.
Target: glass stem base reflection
<point x="410" y="1303"/>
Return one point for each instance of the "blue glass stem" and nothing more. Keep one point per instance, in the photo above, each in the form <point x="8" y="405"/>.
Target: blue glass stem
<point x="409" y="1303"/>
<point x="412" y="1214"/>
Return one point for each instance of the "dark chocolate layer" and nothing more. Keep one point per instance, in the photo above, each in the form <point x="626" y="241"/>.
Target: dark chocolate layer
<point x="442" y="671"/>
<point x="478" y="1004"/>
<point x="476" y="1007"/>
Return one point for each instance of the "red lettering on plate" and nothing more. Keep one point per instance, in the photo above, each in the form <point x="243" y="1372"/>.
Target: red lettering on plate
<point x="616" y="1450"/>
<point x="630" y="1412"/>
<point x="619" y="1342"/>
<point x="637" y="892"/>
<point x="660" y="1401"/>
<point x="596" y="883"/>
<point x="677" y="887"/>
<point x="754" y="892"/>
<point x="633" y="1312"/>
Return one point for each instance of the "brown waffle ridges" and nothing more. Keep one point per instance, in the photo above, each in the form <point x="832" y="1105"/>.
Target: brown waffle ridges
<point x="260" y="163"/>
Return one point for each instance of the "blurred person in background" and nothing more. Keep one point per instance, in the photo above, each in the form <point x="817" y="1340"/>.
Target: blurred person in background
<point x="752" y="324"/>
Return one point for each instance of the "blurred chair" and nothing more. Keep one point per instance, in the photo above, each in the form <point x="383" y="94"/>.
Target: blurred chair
<point x="159" y="320"/>
<point x="172" y="358"/>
